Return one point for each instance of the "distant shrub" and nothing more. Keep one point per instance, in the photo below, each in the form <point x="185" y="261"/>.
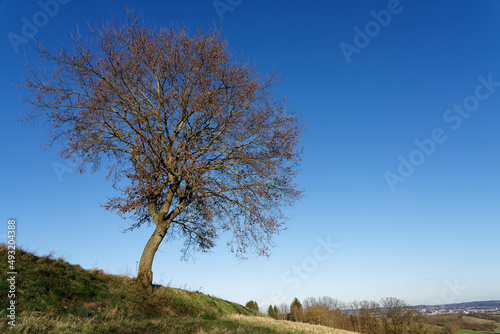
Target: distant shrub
<point x="452" y="326"/>
<point x="273" y="311"/>
<point x="252" y="305"/>
<point x="316" y="315"/>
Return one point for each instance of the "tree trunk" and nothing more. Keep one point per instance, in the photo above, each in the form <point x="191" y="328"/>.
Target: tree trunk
<point x="145" y="272"/>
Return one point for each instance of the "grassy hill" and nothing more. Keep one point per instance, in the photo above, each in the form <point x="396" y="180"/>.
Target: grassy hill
<point x="54" y="296"/>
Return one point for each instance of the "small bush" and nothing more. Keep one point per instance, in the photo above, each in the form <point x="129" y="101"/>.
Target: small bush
<point x="252" y="305"/>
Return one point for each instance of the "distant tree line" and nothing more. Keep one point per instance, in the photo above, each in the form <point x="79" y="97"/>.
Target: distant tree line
<point x="390" y="316"/>
<point x="487" y="316"/>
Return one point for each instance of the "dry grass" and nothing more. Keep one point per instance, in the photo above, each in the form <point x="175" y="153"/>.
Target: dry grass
<point x="278" y="326"/>
<point x="473" y="320"/>
<point x="231" y="324"/>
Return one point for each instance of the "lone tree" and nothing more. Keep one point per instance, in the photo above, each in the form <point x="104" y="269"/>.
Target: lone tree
<point x="194" y="141"/>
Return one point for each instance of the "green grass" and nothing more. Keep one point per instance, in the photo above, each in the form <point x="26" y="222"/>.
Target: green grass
<point x="54" y="296"/>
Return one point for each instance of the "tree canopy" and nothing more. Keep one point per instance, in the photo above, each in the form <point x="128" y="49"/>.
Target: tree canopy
<point x="195" y="142"/>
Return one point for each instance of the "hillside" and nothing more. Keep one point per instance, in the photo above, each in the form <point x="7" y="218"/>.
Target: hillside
<point x="477" y="323"/>
<point x="55" y="296"/>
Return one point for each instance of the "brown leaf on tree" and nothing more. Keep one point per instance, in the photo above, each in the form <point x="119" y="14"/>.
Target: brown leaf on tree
<point x="196" y="142"/>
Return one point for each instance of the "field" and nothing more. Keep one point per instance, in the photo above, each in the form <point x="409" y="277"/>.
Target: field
<point x="472" y="323"/>
<point x="54" y="296"/>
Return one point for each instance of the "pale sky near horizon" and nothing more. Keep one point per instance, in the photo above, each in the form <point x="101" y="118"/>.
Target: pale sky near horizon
<point x="401" y="166"/>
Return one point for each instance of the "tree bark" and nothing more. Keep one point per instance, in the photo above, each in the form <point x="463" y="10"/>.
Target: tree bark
<point x="145" y="272"/>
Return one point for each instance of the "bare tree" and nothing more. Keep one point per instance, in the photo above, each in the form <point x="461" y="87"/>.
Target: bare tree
<point x="316" y="312"/>
<point x="398" y="317"/>
<point x="356" y="312"/>
<point x="369" y="312"/>
<point x="283" y="311"/>
<point x="195" y="141"/>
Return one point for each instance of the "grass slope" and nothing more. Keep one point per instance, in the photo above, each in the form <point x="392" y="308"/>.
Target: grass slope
<point x="54" y="296"/>
<point x="465" y="320"/>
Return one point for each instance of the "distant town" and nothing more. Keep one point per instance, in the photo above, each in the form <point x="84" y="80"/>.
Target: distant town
<point x="492" y="306"/>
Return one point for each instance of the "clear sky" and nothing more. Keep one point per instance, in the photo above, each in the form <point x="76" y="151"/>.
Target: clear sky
<point x="401" y="166"/>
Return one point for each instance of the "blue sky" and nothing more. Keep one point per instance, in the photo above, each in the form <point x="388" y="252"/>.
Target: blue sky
<point x="433" y="238"/>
